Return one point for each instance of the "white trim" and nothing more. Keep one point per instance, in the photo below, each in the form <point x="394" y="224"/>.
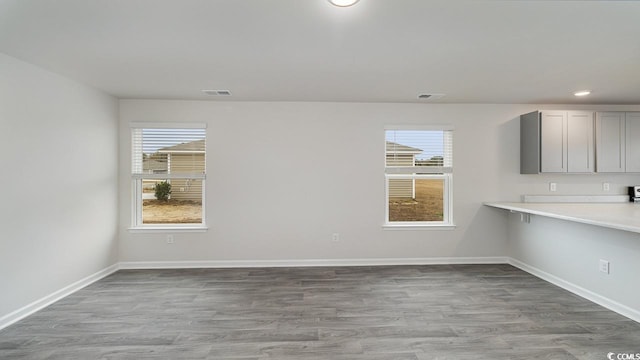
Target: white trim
<point x="398" y="170"/>
<point x="173" y="228"/>
<point x="422" y="225"/>
<point x="448" y="195"/>
<point x="633" y="314"/>
<point x="160" y="125"/>
<point x="68" y="290"/>
<point x="55" y="296"/>
<point x="204" y="208"/>
<point x="143" y="176"/>
<point x="311" y="262"/>
<point x="417" y="176"/>
<point x="136" y="202"/>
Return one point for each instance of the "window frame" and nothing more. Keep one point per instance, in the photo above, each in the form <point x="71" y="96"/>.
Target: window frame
<point x="137" y="224"/>
<point x="444" y="173"/>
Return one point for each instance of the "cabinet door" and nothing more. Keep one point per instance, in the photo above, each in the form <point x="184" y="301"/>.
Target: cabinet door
<point x="530" y="143"/>
<point x="610" y="142"/>
<point x="633" y="142"/>
<point x="553" y="148"/>
<point x="580" y="142"/>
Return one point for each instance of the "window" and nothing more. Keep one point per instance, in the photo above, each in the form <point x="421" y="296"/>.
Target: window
<point x="418" y="176"/>
<point x="168" y="172"/>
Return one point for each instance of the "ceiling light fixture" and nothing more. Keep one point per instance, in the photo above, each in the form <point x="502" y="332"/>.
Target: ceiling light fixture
<point x="343" y="3"/>
<point x="582" y="93"/>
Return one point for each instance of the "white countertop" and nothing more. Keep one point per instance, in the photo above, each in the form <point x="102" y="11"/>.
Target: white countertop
<point x="621" y="216"/>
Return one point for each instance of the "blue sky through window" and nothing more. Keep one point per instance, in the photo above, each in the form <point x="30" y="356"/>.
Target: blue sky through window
<point x="431" y="142"/>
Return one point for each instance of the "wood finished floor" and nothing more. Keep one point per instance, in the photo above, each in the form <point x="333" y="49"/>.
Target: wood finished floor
<point x="374" y="313"/>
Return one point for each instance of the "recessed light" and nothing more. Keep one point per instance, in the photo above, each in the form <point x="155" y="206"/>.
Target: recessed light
<point x="343" y="3"/>
<point x="582" y="93"/>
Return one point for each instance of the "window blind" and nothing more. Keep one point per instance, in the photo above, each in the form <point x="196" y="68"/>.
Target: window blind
<point x="418" y="151"/>
<point x="168" y="153"/>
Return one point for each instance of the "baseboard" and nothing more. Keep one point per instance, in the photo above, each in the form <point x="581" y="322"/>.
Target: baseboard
<point x="70" y="289"/>
<point x="612" y="305"/>
<point x="309" y="262"/>
<point x="51" y="298"/>
<point x="580" y="291"/>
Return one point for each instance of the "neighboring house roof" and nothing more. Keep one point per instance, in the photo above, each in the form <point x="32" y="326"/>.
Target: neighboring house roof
<point x="197" y="146"/>
<point x="395" y="148"/>
<point x="154" y="164"/>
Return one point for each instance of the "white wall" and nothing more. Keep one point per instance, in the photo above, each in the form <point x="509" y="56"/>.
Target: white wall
<point x="571" y="252"/>
<point x="282" y="177"/>
<point x="58" y="183"/>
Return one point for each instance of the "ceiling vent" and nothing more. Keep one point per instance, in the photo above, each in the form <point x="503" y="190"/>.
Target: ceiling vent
<point x="217" y="92"/>
<point x="430" y="96"/>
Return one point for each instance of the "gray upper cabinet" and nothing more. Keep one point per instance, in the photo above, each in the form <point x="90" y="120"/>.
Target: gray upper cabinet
<point x="617" y="142"/>
<point x="557" y="142"/>
<point x="610" y="142"/>
<point x="633" y="142"/>
<point x="530" y="143"/>
<point x="553" y="141"/>
<point x="580" y="142"/>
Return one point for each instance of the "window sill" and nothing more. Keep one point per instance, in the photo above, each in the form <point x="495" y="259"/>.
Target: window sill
<point x="165" y="229"/>
<point x="418" y="227"/>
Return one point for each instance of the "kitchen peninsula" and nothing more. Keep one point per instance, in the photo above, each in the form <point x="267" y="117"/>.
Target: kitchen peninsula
<point x="568" y="243"/>
<point x="620" y="216"/>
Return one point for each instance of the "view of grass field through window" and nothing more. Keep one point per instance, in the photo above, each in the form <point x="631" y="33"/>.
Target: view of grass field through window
<point x="427" y="205"/>
<point x="172" y="211"/>
<point x="418" y="167"/>
<point x="168" y="166"/>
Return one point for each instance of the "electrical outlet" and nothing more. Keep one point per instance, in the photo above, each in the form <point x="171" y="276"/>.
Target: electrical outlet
<point x="169" y="239"/>
<point x="604" y="266"/>
<point x="552" y="187"/>
<point x="605" y="186"/>
<point x="335" y="237"/>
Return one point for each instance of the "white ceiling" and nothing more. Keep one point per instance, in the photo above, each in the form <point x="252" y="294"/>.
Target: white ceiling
<point x="476" y="51"/>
